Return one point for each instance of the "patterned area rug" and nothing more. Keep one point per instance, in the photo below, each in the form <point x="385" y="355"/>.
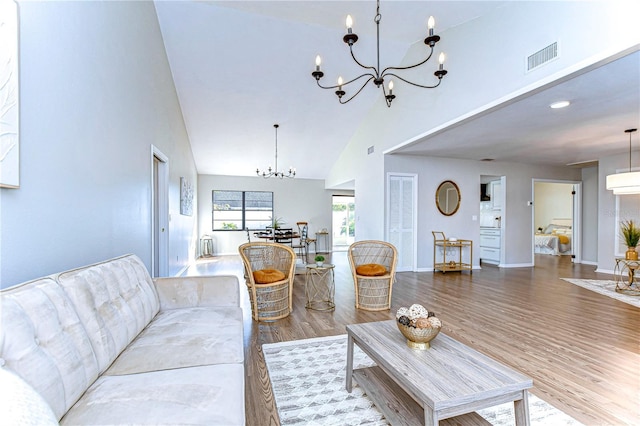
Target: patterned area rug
<point x="308" y="380"/>
<point x="606" y="288"/>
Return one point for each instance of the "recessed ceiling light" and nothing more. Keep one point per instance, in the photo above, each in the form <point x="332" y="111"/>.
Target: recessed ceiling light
<point x="560" y="104"/>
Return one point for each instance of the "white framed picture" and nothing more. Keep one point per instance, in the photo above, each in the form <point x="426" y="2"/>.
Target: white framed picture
<point x="9" y="96"/>
<point x="186" y="197"/>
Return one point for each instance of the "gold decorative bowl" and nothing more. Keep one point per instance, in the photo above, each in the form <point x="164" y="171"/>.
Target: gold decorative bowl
<point x="418" y="338"/>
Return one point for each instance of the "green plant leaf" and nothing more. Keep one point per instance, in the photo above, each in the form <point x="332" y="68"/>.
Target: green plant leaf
<point x="630" y="232"/>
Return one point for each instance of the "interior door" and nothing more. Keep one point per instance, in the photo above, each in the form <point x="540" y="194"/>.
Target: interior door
<point x="160" y="214"/>
<point x="402" y="190"/>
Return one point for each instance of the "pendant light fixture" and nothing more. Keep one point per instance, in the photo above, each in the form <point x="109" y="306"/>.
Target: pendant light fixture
<point x="291" y="173"/>
<point x="627" y="182"/>
<point x="375" y="73"/>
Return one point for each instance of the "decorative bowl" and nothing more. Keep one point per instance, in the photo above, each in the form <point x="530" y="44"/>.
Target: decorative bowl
<point x="418" y="338"/>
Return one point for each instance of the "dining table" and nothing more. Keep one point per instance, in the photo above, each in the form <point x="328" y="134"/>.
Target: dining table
<point x="281" y="235"/>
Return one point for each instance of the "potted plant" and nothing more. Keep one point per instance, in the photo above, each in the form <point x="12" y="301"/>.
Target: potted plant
<point x="277" y="222"/>
<point x="631" y="234"/>
<point x="319" y="260"/>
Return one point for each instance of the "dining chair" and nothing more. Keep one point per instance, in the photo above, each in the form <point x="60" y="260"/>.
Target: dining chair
<point x="302" y="246"/>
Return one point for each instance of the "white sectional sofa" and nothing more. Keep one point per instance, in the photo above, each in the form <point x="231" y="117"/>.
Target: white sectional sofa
<point x="107" y="344"/>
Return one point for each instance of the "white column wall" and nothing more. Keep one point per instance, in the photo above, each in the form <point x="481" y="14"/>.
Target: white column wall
<point x="590" y="215"/>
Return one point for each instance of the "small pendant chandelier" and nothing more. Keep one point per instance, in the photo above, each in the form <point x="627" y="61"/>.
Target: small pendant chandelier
<point x="376" y="74"/>
<point x="627" y="182"/>
<point x="291" y="173"/>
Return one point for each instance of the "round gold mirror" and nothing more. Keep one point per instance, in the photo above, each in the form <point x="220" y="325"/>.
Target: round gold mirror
<point x="448" y="198"/>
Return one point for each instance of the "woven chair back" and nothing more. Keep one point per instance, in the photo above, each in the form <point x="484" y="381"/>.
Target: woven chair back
<point x="370" y="251"/>
<point x="373" y="293"/>
<point x="263" y="255"/>
<point x="273" y="301"/>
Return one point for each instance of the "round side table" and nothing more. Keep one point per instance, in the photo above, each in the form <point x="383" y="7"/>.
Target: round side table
<point x="625" y="276"/>
<point x="320" y="287"/>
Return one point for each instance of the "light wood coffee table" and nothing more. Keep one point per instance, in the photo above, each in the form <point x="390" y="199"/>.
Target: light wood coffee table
<point x="424" y="387"/>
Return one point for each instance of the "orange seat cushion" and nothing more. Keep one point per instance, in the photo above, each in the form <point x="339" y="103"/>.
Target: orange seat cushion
<point x="268" y="276"/>
<point x="371" y="270"/>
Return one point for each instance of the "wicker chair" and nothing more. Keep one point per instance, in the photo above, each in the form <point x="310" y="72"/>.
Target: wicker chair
<point x="373" y="292"/>
<point x="274" y="300"/>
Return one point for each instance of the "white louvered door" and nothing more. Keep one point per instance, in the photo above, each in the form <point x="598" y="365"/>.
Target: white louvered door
<point x="401" y="218"/>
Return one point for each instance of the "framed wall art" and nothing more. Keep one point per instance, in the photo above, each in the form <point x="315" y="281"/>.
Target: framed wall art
<point x="186" y="197"/>
<point x="9" y="96"/>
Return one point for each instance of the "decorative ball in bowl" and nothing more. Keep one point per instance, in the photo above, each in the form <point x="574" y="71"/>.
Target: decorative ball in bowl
<point x="418" y="326"/>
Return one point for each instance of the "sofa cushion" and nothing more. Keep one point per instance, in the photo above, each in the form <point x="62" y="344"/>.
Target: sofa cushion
<point x="185" y="338"/>
<point x="268" y="276"/>
<point x="115" y="300"/>
<point x="371" y="270"/>
<point x="208" y="395"/>
<point x="44" y="342"/>
<point x="189" y="292"/>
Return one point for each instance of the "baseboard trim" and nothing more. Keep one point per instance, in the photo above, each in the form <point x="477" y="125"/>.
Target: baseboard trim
<point x="604" y="271"/>
<point x="516" y="265"/>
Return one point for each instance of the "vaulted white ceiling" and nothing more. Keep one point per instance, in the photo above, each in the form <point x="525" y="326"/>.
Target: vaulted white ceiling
<point x="241" y="66"/>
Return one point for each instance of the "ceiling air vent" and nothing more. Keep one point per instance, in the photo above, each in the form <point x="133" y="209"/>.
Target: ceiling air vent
<point x="542" y="56"/>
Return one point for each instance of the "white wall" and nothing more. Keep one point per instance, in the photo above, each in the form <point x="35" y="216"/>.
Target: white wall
<point x="294" y="200"/>
<point x="517" y="215"/>
<point x="605" y="28"/>
<point x="552" y="201"/>
<point x="96" y="93"/>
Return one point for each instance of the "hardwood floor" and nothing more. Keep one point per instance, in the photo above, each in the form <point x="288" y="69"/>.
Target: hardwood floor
<point x="580" y="348"/>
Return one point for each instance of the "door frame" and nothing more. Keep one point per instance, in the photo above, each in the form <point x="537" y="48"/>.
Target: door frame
<point x="159" y="219"/>
<point x="414" y="194"/>
<point x="576" y="227"/>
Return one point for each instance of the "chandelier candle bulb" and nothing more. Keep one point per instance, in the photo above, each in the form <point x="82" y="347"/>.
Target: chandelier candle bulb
<point x="391" y="87"/>
<point x="349" y="22"/>
<point x="441" y="60"/>
<point x="430" y="24"/>
<point x="318" y="62"/>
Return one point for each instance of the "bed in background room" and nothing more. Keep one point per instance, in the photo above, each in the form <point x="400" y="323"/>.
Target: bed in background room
<point x="555" y="238"/>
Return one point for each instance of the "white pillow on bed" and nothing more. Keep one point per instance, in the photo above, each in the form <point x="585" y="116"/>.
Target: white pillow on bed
<point x="559" y="229"/>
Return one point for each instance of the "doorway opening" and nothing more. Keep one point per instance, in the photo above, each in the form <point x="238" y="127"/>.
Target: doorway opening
<point x="493" y="247"/>
<point x="343" y="221"/>
<point x="556" y="219"/>
<point x="159" y="213"/>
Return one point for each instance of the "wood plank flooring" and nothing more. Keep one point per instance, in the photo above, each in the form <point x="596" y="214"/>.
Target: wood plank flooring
<point x="580" y="348"/>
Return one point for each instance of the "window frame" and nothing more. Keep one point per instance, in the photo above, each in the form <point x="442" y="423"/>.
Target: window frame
<point x="244" y="221"/>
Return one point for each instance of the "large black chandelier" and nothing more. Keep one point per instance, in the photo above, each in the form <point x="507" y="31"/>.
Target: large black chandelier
<point x="375" y="74"/>
<point x="274" y="172"/>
